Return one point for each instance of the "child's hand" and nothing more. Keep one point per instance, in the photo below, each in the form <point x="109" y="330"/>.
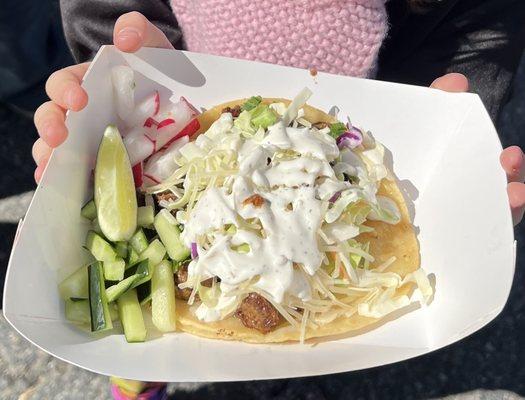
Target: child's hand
<point x="511" y="158"/>
<point x="131" y="32"/>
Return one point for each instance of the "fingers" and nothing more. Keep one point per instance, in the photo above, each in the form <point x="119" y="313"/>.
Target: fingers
<point x="133" y="31"/>
<point x="63" y="87"/>
<point x="512" y="162"/>
<point x="39" y="171"/>
<point x="452" y="82"/>
<point x="41" y="153"/>
<point x="50" y="123"/>
<point x="516" y="192"/>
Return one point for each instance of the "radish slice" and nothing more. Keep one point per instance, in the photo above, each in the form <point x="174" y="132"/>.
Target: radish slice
<point x="139" y="145"/>
<point x="188" y="130"/>
<point x="150" y="180"/>
<point x="166" y="122"/>
<point x="149" y="107"/>
<point x="150" y="122"/>
<point x="162" y="164"/>
<point x="124" y="88"/>
<point x="191" y="106"/>
<point x="174" y="119"/>
<point x="173" y="122"/>
<point x="137" y="175"/>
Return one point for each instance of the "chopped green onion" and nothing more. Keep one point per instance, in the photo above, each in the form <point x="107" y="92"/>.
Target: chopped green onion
<point x="337" y="129"/>
<point x="263" y="116"/>
<point x="251" y="103"/>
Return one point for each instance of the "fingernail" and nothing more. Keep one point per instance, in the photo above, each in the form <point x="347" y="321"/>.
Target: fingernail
<point x="128" y="36"/>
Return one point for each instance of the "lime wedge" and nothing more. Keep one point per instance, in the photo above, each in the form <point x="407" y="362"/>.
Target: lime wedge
<point x="115" y="195"/>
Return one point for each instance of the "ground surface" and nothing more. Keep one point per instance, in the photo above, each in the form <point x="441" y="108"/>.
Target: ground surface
<point x="488" y="365"/>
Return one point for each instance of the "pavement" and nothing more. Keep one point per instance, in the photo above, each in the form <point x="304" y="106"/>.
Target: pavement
<point x="488" y="365"/>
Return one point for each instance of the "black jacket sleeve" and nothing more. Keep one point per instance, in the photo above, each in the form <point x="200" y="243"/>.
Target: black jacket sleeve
<point x="483" y="39"/>
<point x="88" y="24"/>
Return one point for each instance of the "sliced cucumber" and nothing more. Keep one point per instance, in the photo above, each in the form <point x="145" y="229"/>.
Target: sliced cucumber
<point x="163" y="297"/>
<point x="145" y="216"/>
<point x="99" y="247"/>
<point x="138" y="241"/>
<point x="142" y="267"/>
<point x="169" y="234"/>
<point x="145" y="300"/>
<point x="113" y="311"/>
<point x="154" y="254"/>
<point x="133" y="256"/>
<point x="75" y="285"/>
<point x="98" y="304"/>
<point x="144" y="293"/>
<point x="89" y="211"/>
<point x="78" y="311"/>
<point x="122" y="249"/>
<point x="115" y="291"/>
<point x="131" y="317"/>
<point x="115" y="195"/>
<point x="114" y="270"/>
<point x="96" y="226"/>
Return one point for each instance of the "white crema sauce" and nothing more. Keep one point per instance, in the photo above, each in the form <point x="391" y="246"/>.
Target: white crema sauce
<point x="291" y="216"/>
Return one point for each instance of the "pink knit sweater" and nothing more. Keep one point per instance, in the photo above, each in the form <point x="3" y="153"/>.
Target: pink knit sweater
<point x="338" y="36"/>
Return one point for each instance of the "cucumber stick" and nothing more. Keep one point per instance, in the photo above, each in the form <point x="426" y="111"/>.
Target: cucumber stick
<point x="163" y="297"/>
<point x="139" y="272"/>
<point x="131" y="317"/>
<point x="122" y="249"/>
<point x="99" y="247"/>
<point x="96" y="226"/>
<point x="133" y="256"/>
<point x="145" y="216"/>
<point x="115" y="291"/>
<point x="169" y="234"/>
<point x="78" y="311"/>
<point x="75" y="285"/>
<point x="98" y="304"/>
<point x="138" y="241"/>
<point x="89" y="211"/>
<point x="114" y="270"/>
<point x="154" y="254"/>
<point x="144" y="293"/>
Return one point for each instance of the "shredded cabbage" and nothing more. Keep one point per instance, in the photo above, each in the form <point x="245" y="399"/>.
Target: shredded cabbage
<point x="244" y="124"/>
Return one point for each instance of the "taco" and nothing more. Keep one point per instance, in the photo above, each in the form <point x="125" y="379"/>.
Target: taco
<point x="297" y="229"/>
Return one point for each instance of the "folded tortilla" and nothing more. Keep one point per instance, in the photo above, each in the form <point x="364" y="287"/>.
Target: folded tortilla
<point x="385" y="241"/>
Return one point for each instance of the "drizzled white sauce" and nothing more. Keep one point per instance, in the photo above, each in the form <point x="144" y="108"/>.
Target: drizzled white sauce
<point x="291" y="215"/>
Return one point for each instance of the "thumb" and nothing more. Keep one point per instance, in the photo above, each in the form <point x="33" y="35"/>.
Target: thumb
<point x="133" y="31"/>
<point x="452" y="82"/>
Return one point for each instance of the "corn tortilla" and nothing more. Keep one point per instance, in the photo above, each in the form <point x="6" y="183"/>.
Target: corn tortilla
<point x="386" y="241"/>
